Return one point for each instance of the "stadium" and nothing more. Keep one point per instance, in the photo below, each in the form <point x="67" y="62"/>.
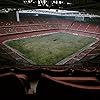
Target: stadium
<point x="50" y="49"/>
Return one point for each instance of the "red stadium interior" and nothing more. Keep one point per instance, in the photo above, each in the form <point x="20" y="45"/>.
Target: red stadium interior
<point x="57" y="77"/>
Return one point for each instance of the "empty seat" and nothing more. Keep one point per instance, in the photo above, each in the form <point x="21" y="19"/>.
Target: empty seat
<point x="75" y="25"/>
<point x="12" y="85"/>
<point x="91" y="28"/>
<point x="83" y="27"/>
<point x="69" y="87"/>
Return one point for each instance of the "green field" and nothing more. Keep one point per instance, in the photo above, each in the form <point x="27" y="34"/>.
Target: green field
<point x="50" y="49"/>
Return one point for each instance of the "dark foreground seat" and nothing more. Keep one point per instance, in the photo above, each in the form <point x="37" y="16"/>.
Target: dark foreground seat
<point x="68" y="87"/>
<point x="12" y="85"/>
<point x="75" y="72"/>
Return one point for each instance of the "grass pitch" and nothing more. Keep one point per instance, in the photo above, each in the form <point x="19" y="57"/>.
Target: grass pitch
<point x="50" y="49"/>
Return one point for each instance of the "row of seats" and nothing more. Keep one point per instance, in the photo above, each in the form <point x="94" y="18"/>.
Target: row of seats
<point x="68" y="87"/>
<point x="85" y="27"/>
<point x="35" y="24"/>
<point x="34" y="71"/>
<point x="30" y="28"/>
<point x="34" y="21"/>
<point x="17" y="83"/>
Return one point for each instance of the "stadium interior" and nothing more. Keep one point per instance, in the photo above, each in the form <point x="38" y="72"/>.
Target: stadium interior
<point x="76" y="76"/>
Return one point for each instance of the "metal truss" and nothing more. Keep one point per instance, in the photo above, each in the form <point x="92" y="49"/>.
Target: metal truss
<point x="50" y="4"/>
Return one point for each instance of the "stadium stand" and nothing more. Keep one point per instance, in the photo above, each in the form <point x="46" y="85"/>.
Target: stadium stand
<point x="39" y="24"/>
<point x="68" y="87"/>
<point x="75" y="26"/>
<point x="82" y="27"/>
<point x="97" y="29"/>
<point x="91" y="28"/>
<point x="78" y="77"/>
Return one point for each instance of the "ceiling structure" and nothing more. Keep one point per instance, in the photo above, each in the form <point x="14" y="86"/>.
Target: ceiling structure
<point x="55" y="4"/>
<point x="51" y="4"/>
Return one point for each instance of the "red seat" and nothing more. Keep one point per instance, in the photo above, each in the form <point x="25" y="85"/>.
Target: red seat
<point x="69" y="87"/>
<point x="11" y="85"/>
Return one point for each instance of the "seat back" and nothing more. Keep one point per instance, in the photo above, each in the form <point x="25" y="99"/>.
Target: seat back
<point x="50" y="86"/>
<point x="11" y="85"/>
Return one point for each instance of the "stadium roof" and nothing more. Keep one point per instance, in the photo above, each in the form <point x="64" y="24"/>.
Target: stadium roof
<point x="59" y="12"/>
<point x="55" y="4"/>
<point x="85" y="5"/>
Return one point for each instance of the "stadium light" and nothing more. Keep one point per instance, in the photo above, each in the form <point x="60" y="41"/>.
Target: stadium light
<point x="69" y="3"/>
